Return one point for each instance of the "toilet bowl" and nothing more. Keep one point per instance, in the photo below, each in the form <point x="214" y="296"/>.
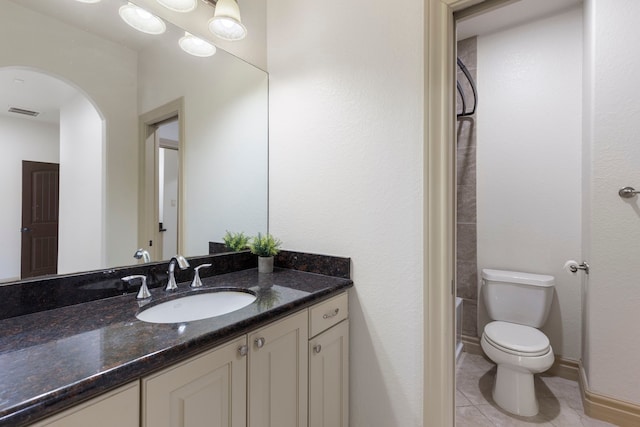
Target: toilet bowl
<point x="518" y="303"/>
<point x="519" y="351"/>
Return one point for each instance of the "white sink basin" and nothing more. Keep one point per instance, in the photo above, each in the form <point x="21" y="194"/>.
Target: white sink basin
<point x="196" y="307"/>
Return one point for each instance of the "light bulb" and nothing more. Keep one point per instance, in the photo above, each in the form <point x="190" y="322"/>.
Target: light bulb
<point x="226" y="22"/>
<point x="179" y="5"/>
<point x="196" y="46"/>
<point x="141" y="19"/>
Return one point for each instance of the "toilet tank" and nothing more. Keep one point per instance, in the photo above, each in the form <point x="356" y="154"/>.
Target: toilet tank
<point x="517" y="297"/>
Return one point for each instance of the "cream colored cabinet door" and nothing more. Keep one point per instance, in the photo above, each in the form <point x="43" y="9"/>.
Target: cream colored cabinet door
<point x="207" y="390"/>
<point x="118" y="408"/>
<point x="278" y="359"/>
<point x="329" y="377"/>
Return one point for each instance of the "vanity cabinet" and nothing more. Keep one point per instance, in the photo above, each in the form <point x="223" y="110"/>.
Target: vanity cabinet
<point x="207" y="390"/>
<point x="278" y="373"/>
<point x="120" y="407"/>
<point x="258" y="380"/>
<point x="329" y="364"/>
<point x="289" y="373"/>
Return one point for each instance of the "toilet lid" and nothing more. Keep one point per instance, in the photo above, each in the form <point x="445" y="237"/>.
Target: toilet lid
<point x="517" y="339"/>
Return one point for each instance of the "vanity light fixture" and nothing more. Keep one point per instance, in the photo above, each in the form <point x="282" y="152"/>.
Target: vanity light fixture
<point x="226" y="22"/>
<point x="141" y="19"/>
<point x="196" y="46"/>
<point x="179" y="5"/>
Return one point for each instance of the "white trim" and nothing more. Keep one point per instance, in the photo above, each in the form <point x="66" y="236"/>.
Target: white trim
<point x="439" y="207"/>
<point x="148" y="221"/>
<point x="607" y="408"/>
<point x="439" y="243"/>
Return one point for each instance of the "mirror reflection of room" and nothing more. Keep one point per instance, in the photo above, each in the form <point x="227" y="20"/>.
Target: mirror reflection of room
<point x="168" y="177"/>
<point x="70" y="60"/>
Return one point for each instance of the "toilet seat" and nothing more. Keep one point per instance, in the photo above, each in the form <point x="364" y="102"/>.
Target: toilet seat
<point x="519" y="340"/>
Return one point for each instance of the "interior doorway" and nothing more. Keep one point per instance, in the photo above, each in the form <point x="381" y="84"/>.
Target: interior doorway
<point x="40" y="213"/>
<point x="161" y="181"/>
<point x="168" y="186"/>
<point x="526" y="58"/>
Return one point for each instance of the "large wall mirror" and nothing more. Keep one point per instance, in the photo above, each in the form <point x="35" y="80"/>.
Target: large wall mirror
<point x="99" y="121"/>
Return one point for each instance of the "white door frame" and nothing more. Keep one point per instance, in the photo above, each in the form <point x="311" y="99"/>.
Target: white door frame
<point x="439" y="208"/>
<point x="148" y="212"/>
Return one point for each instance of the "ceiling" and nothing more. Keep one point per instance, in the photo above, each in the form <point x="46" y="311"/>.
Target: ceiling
<point x="23" y="89"/>
<point x="512" y="14"/>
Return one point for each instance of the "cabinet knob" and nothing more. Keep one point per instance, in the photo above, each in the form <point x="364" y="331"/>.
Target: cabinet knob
<point x="332" y="314"/>
<point x="317" y="348"/>
<point x="243" y="350"/>
<point x="260" y="342"/>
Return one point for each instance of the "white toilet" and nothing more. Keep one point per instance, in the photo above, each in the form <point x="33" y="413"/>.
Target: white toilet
<point x="518" y="304"/>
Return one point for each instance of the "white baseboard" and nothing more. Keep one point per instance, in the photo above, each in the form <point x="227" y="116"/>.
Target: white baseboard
<point x="615" y="411"/>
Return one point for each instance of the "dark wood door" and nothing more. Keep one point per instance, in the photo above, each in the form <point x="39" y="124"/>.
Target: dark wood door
<point x="40" y="188"/>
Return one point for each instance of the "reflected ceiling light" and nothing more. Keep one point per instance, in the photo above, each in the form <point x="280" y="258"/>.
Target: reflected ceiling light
<point x="196" y="46"/>
<point x="226" y="22"/>
<point x="89" y="1"/>
<point x="141" y="20"/>
<point x="179" y="5"/>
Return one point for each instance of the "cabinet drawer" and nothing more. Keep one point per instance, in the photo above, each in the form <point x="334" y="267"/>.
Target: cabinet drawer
<point x="326" y="314"/>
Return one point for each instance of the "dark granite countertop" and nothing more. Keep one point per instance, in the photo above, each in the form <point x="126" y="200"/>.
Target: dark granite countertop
<point x="54" y="359"/>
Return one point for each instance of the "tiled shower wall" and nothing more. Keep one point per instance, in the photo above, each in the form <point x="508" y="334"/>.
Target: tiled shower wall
<point x="467" y="259"/>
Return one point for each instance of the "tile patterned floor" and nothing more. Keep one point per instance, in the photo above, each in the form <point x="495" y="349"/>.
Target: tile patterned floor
<point x="559" y="399"/>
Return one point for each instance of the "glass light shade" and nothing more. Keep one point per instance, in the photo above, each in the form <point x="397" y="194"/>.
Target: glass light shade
<point x="179" y="5"/>
<point x="196" y="46"/>
<point x="141" y="20"/>
<point x="226" y="22"/>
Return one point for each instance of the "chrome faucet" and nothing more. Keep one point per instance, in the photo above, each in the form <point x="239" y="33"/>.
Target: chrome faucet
<point x="143" y="293"/>
<point x="182" y="263"/>
<point x="142" y="254"/>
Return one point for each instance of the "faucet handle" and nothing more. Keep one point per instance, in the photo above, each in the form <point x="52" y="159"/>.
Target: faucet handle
<point x="197" y="283"/>
<point x="143" y="293"/>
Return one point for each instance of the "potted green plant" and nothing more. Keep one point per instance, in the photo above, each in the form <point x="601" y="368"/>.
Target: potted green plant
<point x="236" y="241"/>
<point x="266" y="247"/>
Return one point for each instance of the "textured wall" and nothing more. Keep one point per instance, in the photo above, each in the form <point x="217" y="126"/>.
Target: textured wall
<point x="529" y="127"/>
<point x="345" y="148"/>
<point x="612" y="225"/>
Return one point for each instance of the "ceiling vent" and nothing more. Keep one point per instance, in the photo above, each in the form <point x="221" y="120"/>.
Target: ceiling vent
<point x="23" y="111"/>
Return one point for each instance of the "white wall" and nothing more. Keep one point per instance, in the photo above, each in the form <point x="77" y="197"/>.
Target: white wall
<point x="529" y="161"/>
<point x="80" y="242"/>
<point x="612" y="225"/>
<point x="109" y="77"/>
<point x="345" y="150"/>
<point x="20" y="139"/>
<point x="225" y="144"/>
